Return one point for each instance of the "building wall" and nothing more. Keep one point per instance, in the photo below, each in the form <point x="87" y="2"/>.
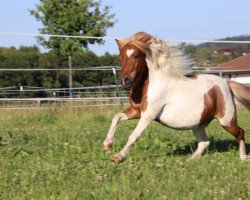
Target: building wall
<point x="241" y="78"/>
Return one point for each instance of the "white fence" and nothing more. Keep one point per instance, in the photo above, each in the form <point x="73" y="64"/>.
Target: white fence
<point x="116" y="96"/>
<point x="52" y="103"/>
<point x="94" y="99"/>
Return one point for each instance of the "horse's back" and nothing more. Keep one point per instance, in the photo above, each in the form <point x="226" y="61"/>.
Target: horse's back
<point x="210" y="80"/>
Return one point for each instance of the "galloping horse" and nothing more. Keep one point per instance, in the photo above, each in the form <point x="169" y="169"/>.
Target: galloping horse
<point x="160" y="90"/>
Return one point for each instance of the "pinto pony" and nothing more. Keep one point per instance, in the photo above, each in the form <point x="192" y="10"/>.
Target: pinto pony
<point x="160" y="90"/>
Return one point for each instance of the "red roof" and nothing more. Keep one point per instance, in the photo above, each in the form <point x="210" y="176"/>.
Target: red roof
<point x="241" y="63"/>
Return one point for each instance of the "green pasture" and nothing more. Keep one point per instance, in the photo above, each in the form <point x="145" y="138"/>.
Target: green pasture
<point x="57" y="154"/>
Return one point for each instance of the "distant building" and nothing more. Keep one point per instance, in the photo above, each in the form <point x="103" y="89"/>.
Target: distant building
<point x="237" y="69"/>
<point x="227" y="51"/>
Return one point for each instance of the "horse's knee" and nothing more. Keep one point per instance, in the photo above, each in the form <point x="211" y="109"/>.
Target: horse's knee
<point x="236" y="131"/>
<point x="119" y="117"/>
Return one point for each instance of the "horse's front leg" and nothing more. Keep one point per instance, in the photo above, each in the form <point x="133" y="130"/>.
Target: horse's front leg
<point x="107" y="144"/>
<point x="142" y="124"/>
<point x="129" y="113"/>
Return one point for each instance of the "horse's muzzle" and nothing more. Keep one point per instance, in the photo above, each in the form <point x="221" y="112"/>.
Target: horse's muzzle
<point x="126" y="81"/>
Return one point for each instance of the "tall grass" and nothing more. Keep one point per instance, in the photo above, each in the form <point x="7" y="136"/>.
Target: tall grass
<point x="57" y="154"/>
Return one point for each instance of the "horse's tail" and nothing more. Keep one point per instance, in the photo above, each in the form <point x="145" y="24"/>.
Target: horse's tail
<point x="241" y="93"/>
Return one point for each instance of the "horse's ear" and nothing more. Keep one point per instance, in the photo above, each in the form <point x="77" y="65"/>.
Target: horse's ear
<point x="121" y="43"/>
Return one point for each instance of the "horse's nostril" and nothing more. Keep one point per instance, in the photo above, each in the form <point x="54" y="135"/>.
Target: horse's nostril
<point x="126" y="81"/>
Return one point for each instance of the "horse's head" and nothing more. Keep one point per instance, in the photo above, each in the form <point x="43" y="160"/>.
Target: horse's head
<point x="133" y="52"/>
<point x="133" y="63"/>
<point x="142" y="51"/>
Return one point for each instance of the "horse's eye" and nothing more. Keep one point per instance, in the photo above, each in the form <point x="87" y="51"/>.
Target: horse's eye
<point x="137" y="55"/>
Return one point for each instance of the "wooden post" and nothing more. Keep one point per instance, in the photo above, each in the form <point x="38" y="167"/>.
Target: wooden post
<point x="70" y="77"/>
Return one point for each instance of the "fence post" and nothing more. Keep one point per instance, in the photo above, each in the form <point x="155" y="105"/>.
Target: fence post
<point x="21" y="90"/>
<point x="117" y="85"/>
<point x="70" y="77"/>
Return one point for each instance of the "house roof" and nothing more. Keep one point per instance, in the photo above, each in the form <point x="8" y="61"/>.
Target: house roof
<point x="241" y="63"/>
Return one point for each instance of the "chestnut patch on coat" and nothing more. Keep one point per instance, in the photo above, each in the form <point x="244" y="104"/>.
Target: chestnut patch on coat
<point x="138" y="67"/>
<point x="236" y="131"/>
<point x="214" y="105"/>
<point x="138" y="92"/>
<point x="132" y="113"/>
<point x="234" y="118"/>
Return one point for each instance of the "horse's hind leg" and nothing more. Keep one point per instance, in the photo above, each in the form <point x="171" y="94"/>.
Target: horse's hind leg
<point x="203" y="142"/>
<point x="239" y="134"/>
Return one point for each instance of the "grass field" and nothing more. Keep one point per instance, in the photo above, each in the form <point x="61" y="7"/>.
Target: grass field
<point x="57" y="154"/>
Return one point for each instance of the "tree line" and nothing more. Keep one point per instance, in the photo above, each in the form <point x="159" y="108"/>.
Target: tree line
<point x="211" y="54"/>
<point x="32" y="58"/>
<point x="80" y="18"/>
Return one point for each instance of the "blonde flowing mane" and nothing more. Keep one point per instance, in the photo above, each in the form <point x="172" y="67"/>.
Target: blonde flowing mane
<point x="165" y="55"/>
<point x="140" y="39"/>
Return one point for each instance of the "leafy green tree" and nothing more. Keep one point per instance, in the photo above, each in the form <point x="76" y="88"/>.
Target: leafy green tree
<point x="85" y="59"/>
<point x="109" y="60"/>
<point x="107" y="77"/>
<point x="190" y="50"/>
<point x="25" y="57"/>
<point x="31" y="57"/>
<point x="72" y="17"/>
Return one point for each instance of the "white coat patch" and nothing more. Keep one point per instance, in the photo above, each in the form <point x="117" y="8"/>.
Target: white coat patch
<point x="129" y="52"/>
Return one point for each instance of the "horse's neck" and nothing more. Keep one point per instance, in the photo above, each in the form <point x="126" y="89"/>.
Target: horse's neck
<point x="162" y="76"/>
<point x="139" y="88"/>
<point x="158" y="79"/>
<point x="161" y="85"/>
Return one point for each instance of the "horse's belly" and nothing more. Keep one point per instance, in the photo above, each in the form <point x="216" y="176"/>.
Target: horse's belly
<point x="180" y="118"/>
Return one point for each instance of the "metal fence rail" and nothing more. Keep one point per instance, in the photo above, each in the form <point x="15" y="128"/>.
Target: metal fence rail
<point x="96" y="95"/>
<point x="62" y="103"/>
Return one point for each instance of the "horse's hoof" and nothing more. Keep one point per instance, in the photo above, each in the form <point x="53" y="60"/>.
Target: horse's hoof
<point x="107" y="146"/>
<point x="117" y="158"/>
<point x="245" y="158"/>
<point x="194" y="157"/>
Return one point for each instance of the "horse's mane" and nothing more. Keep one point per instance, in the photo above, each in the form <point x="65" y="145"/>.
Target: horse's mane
<point x="166" y="56"/>
<point x="140" y="40"/>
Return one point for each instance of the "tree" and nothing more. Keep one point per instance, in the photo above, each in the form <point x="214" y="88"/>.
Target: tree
<point x="190" y="50"/>
<point x="107" y="77"/>
<point x="72" y="17"/>
<point x="25" y="57"/>
<point x="86" y="59"/>
<point x="29" y="58"/>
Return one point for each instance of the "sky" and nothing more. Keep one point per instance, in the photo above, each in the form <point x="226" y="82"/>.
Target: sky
<point x="169" y="20"/>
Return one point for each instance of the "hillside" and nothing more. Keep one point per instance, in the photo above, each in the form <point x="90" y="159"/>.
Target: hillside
<point x="228" y="45"/>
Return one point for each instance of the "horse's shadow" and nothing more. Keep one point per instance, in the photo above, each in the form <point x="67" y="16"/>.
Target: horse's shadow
<point x="215" y="146"/>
